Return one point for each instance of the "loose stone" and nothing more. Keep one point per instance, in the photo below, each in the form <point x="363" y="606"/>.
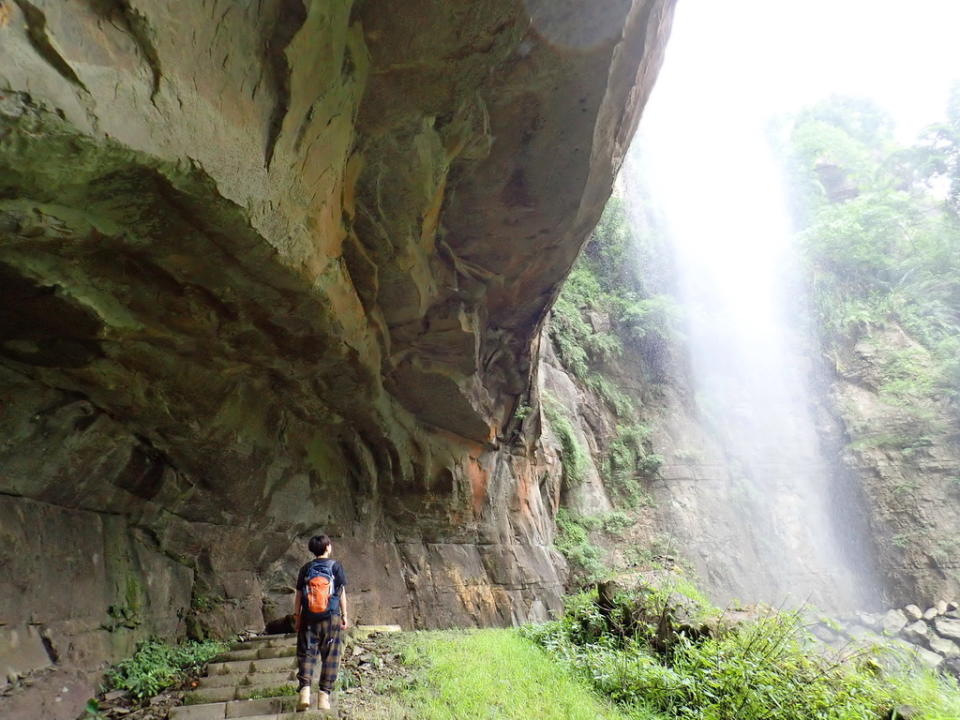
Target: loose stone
<point x="917" y="632"/>
<point x="947" y="627"/>
<point x="913" y="612"/>
<point x="944" y="647"/>
<point x="893" y="622"/>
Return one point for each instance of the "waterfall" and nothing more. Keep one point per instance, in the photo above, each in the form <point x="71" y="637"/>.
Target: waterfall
<point x="785" y="526"/>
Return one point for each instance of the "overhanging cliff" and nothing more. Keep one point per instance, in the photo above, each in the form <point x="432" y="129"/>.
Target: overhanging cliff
<point x="270" y="267"/>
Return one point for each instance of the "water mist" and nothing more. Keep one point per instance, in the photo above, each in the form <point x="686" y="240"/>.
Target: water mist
<point x="781" y="512"/>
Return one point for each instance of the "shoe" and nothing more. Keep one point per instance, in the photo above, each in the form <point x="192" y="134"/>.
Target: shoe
<point x="323" y="700"/>
<point x="303" y="702"/>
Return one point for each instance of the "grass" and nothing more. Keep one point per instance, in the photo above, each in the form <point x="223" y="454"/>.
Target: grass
<point x="496" y="674"/>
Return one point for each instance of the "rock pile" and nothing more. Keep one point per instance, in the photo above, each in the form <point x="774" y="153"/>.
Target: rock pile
<point x="932" y="636"/>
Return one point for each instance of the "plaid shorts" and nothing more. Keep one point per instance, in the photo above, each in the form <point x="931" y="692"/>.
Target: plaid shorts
<point x="323" y="636"/>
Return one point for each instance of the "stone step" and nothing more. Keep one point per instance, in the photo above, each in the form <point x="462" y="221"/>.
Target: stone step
<point x="246" y="667"/>
<point x="282" y="707"/>
<point x="309" y="715"/>
<point x="258" y="652"/>
<point x="235" y="679"/>
<point x="266" y="641"/>
<point x="224" y="693"/>
<point x="362" y="632"/>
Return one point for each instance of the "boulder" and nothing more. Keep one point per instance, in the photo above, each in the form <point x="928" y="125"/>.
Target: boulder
<point x="21" y="652"/>
<point x="931" y="613"/>
<point x="824" y="634"/>
<point x="928" y="658"/>
<point x="951" y="666"/>
<point x="917" y="632"/>
<point x="947" y="627"/>
<point x="893" y="622"/>
<point x="942" y="646"/>
<point x="942" y="607"/>
<point x="953" y="606"/>
<point x="903" y="712"/>
<point x="869" y="620"/>
<point x="913" y="612"/>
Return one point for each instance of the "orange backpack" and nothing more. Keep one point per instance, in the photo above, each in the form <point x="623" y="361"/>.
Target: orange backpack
<point x="318" y="587"/>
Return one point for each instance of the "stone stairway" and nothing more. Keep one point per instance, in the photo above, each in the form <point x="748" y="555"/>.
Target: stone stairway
<point x="250" y="668"/>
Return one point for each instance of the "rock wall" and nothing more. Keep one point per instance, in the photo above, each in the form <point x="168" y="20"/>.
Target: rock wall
<point x="280" y="266"/>
<point x="904" y="452"/>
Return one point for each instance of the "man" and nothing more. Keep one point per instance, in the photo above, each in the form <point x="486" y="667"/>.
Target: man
<point x="320" y="616"/>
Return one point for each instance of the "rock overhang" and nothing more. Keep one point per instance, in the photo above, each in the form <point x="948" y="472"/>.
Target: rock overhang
<point x="260" y="253"/>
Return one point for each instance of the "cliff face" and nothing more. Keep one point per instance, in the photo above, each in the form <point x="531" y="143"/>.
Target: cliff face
<point x="274" y="267"/>
<point x="905" y="454"/>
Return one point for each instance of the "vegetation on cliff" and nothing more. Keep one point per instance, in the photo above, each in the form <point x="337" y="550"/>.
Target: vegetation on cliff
<point x="607" y="307"/>
<point x="880" y="232"/>
<point x="610" y="323"/>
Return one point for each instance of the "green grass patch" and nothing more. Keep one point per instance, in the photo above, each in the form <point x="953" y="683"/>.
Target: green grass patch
<point x="496" y="674"/>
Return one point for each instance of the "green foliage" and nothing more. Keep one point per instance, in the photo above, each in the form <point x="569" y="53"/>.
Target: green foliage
<point x="347" y="679"/>
<point x="202" y="602"/>
<point x="157" y="665"/>
<point x="574" y="458"/>
<point x="573" y="542"/>
<point x="629" y="461"/>
<point x="613" y="396"/>
<point x="605" y="308"/>
<point x="615" y="522"/>
<point x="92" y="711"/>
<point x="764" y="670"/>
<point x="882" y="248"/>
<point x="577" y="342"/>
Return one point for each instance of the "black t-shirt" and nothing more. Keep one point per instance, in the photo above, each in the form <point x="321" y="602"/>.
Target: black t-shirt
<point x="339" y="581"/>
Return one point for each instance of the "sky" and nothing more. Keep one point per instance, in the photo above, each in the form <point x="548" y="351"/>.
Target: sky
<point x="757" y="58"/>
<point x="732" y="66"/>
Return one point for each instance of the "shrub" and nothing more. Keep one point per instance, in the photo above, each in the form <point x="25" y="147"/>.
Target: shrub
<point x="156" y="666"/>
<point x="764" y="670"/>
<point x="628" y="460"/>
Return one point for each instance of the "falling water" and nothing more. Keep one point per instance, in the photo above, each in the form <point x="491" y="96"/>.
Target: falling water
<point x="780" y="512"/>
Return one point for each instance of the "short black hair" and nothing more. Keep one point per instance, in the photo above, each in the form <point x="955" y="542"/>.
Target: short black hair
<point x="318" y="544"/>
